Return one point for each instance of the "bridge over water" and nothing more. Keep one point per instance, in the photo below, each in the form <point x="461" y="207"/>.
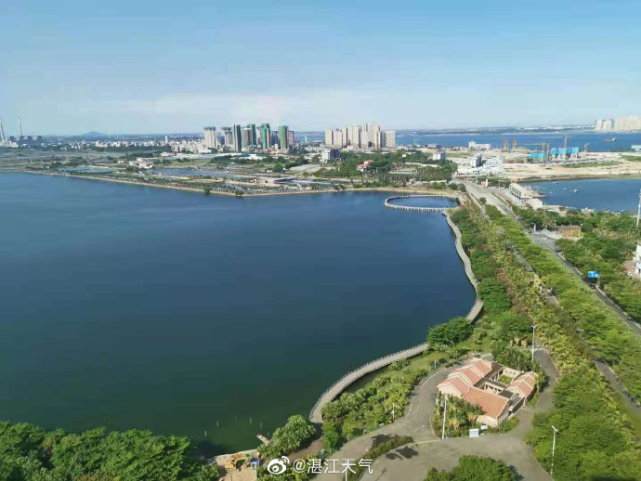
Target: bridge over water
<point x="389" y="203"/>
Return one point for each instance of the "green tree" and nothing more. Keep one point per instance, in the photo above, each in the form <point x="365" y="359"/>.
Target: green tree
<point x="452" y="332"/>
<point x="474" y="468"/>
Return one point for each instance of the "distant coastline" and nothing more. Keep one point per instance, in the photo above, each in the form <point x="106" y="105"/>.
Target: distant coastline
<point x="440" y="192"/>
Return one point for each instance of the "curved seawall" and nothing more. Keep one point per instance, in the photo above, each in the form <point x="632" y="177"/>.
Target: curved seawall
<point x="343" y="383"/>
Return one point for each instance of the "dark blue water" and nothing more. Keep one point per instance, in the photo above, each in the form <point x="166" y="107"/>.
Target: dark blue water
<point x="128" y="306"/>
<point x="598" y="141"/>
<point x="603" y="194"/>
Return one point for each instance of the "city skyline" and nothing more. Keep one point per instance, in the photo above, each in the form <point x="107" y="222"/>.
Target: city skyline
<point x="148" y="68"/>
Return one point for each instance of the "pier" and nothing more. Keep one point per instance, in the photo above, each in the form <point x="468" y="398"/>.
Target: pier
<point x="390" y="205"/>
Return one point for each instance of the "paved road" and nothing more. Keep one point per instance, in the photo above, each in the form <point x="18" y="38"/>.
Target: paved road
<point x="411" y="462"/>
<point x="544" y="241"/>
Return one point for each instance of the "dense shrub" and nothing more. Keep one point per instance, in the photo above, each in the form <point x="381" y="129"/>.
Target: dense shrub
<point x="474" y="468"/>
<point x="29" y="453"/>
<point x="494" y="295"/>
<point x="295" y="434"/>
<point x="452" y="332"/>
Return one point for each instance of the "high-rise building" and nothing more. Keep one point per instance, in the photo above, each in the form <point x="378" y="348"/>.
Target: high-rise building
<point x="283" y="137"/>
<point x="253" y="138"/>
<point x="237" y="134"/>
<point x="246" y="139"/>
<point x="373" y="136"/>
<point x="334" y="138"/>
<point x="211" y="139"/>
<point x="265" y="136"/>
<point x="291" y="138"/>
<point x="329" y="137"/>
<point x="388" y="138"/>
<point x="619" y="124"/>
<point x="363" y="136"/>
<point x="228" y="137"/>
<point x="631" y="122"/>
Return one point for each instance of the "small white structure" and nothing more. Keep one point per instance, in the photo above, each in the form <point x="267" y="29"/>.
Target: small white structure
<point x="439" y="155"/>
<point x="637" y="261"/>
<point x="141" y="163"/>
<point x="476" y="161"/>
<point x="474" y="146"/>
<point x="329" y="155"/>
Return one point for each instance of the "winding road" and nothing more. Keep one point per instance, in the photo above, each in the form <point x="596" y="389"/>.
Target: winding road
<point x="412" y="461"/>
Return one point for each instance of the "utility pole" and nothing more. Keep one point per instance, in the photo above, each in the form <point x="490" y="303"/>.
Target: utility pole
<point x="533" y="329"/>
<point x="639" y="210"/>
<point x="444" y="417"/>
<point x="553" y="449"/>
<point x="393" y="412"/>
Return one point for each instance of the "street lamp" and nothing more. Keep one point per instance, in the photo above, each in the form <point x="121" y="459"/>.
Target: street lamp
<point x="444" y="416"/>
<point x="553" y="449"/>
<point x="533" y="329"/>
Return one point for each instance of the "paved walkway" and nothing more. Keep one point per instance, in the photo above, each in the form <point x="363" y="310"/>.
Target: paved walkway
<point x="338" y="387"/>
<point x="411" y="462"/>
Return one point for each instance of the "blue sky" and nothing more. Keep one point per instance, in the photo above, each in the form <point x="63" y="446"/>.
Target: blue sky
<point x="143" y="66"/>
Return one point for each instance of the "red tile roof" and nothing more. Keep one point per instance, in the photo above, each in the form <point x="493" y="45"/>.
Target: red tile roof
<point x="524" y="384"/>
<point x="492" y="405"/>
<point x="456" y="384"/>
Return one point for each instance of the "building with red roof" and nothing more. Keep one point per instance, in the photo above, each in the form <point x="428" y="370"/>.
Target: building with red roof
<point x="482" y="383"/>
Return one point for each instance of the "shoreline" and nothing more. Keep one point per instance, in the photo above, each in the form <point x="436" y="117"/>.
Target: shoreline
<point x="430" y="191"/>
<point x="564" y="178"/>
<point x="336" y="389"/>
<point x="582" y="177"/>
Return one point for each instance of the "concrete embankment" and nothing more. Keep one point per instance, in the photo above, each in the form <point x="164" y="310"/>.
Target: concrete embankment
<point x="343" y="383"/>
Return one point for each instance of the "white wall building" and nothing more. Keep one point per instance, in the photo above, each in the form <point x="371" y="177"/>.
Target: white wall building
<point x="211" y="138"/>
<point x="364" y="136"/>
<point x="619" y="124"/>
<point x="474" y="146"/>
<point x="388" y="139"/>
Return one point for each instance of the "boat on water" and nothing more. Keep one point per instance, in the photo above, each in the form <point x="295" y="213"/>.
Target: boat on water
<point x="611" y="139"/>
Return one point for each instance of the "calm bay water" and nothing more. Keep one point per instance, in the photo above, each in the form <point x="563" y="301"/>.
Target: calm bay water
<point x="603" y="194"/>
<point x="127" y="306"/>
<point x="598" y="141"/>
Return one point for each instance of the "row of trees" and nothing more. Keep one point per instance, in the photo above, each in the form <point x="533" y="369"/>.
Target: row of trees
<point x="609" y="338"/>
<point x="29" y="453"/>
<point x="592" y="428"/>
